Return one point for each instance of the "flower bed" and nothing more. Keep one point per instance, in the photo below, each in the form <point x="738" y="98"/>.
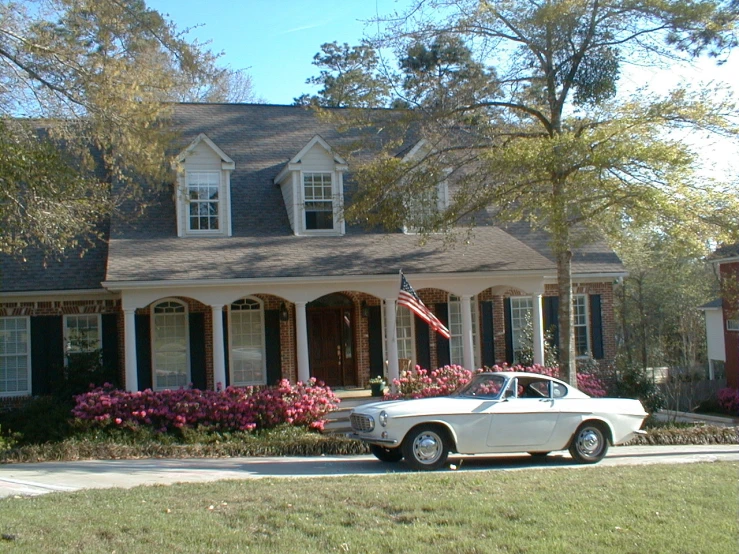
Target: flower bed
<point x="422" y="383"/>
<point x="233" y="409"/>
<point x="728" y="399"/>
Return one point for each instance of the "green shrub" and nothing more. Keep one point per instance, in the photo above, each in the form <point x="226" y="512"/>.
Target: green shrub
<point x="40" y="419"/>
<point x="633" y="382"/>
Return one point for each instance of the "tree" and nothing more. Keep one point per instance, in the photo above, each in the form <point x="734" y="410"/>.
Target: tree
<point x="349" y="78"/>
<point x="84" y="92"/>
<point x="551" y="142"/>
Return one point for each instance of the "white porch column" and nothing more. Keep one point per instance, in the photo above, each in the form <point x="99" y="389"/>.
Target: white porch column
<point x="538" y="323"/>
<point x="129" y="341"/>
<point x="301" y="330"/>
<point x="468" y="344"/>
<point x="393" y="371"/>
<point x="219" y="358"/>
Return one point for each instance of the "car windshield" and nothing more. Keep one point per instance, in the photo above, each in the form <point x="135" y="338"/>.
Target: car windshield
<point x="486" y="385"/>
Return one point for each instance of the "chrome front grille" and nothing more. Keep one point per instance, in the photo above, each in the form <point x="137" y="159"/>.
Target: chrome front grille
<point x="362" y="423"/>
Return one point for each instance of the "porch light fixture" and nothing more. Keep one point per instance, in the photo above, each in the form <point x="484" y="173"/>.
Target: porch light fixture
<point x="365" y="309"/>
<point x="284" y="315"/>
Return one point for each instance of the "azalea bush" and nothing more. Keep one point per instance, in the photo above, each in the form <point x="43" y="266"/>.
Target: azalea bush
<point x="233" y="409"/>
<point x="728" y="399"/>
<point x="422" y="383"/>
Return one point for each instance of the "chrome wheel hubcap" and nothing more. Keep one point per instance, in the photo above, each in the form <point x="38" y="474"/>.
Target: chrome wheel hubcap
<point x="590" y="442"/>
<point x="427" y="447"/>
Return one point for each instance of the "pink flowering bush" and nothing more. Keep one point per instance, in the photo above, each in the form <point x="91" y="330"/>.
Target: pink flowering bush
<point x="235" y="408"/>
<point x="421" y="383"/>
<point x="728" y="399"/>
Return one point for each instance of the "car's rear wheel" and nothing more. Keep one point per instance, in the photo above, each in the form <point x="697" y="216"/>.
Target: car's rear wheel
<point x="384" y="454"/>
<point x="426" y="447"/>
<point x="590" y="443"/>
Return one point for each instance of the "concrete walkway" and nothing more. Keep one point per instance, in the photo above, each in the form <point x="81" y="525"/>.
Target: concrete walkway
<point x="47" y="477"/>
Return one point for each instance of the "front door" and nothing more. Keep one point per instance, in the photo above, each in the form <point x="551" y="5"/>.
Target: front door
<point x="331" y="345"/>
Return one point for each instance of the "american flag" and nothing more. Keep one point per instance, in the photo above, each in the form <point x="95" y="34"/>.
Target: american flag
<point x="407" y="297"/>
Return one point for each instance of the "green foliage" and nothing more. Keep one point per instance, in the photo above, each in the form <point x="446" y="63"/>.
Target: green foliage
<point x="633" y="382"/>
<point x="96" y="75"/>
<point x="38" y="420"/>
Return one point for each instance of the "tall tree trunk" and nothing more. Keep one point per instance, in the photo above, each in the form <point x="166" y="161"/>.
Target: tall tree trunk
<point x="567" y="353"/>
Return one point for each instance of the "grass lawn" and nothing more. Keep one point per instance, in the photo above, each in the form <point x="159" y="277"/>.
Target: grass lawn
<point x="671" y="509"/>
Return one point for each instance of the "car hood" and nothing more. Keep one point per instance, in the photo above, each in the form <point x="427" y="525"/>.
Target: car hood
<point x="425" y="406"/>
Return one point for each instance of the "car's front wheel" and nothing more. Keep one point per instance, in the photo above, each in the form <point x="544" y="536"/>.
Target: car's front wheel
<point x="384" y="454"/>
<point x="590" y="443"/>
<point x="426" y="447"/>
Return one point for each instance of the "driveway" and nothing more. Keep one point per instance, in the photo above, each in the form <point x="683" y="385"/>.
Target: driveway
<point x="42" y="478"/>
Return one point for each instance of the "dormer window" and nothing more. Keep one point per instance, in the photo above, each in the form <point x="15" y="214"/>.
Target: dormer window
<point x="423" y="206"/>
<point x="312" y="185"/>
<point x="203" y="197"/>
<point x="203" y="190"/>
<point x="319" y="201"/>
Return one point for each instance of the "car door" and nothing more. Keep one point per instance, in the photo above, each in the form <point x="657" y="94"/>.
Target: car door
<point x="522" y="422"/>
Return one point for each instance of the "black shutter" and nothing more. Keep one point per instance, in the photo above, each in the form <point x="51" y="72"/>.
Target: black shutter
<point x="442" y="344"/>
<point x="110" y="343"/>
<point x="551" y="318"/>
<point x="143" y="351"/>
<point x="198" y="377"/>
<point x="487" y="333"/>
<point x="508" y="331"/>
<point x="374" y="328"/>
<point x="226" y="349"/>
<point x="47" y="353"/>
<point x="274" y="349"/>
<point x="423" y="343"/>
<point x="596" y="329"/>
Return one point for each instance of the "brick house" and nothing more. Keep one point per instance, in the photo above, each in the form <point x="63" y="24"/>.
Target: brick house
<point x="722" y="318"/>
<point x="243" y="272"/>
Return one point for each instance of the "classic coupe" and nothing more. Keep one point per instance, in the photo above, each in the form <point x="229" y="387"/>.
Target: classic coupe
<point x="497" y="412"/>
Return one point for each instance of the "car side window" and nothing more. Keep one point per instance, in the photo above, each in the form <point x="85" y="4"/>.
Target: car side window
<point x="540" y="388"/>
<point x="558" y="390"/>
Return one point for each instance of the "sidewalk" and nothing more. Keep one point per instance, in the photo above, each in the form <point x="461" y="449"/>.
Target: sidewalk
<point x="689" y="417"/>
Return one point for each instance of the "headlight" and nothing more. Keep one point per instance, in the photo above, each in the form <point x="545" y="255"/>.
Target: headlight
<point x="383" y="418"/>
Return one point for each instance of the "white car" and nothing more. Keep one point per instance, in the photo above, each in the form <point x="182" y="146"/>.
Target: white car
<point x="497" y="413"/>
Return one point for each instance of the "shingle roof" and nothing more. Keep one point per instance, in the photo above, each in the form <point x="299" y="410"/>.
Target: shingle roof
<point x="260" y="139"/>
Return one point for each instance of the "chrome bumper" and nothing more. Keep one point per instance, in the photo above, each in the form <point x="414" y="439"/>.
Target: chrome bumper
<point x="359" y="437"/>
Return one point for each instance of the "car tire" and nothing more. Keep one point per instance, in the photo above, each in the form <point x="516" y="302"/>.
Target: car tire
<point x="590" y="443"/>
<point x="426" y="447"/>
<point x="384" y="454"/>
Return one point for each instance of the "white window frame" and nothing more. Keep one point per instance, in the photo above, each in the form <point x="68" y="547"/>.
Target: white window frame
<point x="220" y="202"/>
<point x="732" y="324"/>
<point x="414" y="206"/>
<point x="333" y="200"/>
<point x="67" y="335"/>
<point x="455" y="327"/>
<point x="576" y="298"/>
<point x="27" y="354"/>
<point x="186" y="314"/>
<point x="231" y="327"/>
<point x="517" y="321"/>
<point x="409" y="341"/>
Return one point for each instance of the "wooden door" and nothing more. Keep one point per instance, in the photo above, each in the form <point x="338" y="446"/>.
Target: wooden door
<point x="325" y="345"/>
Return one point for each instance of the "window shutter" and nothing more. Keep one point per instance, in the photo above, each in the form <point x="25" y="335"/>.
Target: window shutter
<point x="143" y="350"/>
<point x="273" y="352"/>
<point x="508" y="331"/>
<point x="596" y="329"/>
<point x="47" y="353"/>
<point x="442" y="345"/>
<point x="110" y="356"/>
<point x="423" y="343"/>
<point x="551" y="318"/>
<point x="487" y="333"/>
<point x="374" y="327"/>
<point x="196" y="324"/>
<point x="226" y="349"/>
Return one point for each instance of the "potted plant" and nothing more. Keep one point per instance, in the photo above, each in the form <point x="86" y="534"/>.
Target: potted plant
<point x="377" y="385"/>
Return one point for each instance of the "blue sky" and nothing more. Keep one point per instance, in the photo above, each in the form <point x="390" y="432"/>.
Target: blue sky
<point x="275" y="39"/>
